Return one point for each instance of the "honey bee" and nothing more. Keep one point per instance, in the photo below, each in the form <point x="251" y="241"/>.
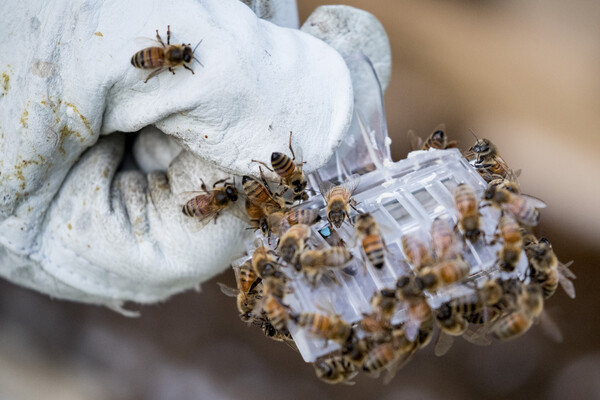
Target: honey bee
<point x="168" y="56"/>
<point x="246" y="278"/>
<point x="258" y="219"/>
<point x="276" y="335"/>
<point x="451" y="324"/>
<point x="416" y="251"/>
<point x="547" y="271"/>
<point x="383" y="305"/>
<point x="437" y="140"/>
<point x="522" y="207"/>
<point x="335" y="369"/>
<point x="280" y="221"/>
<point x="211" y="203"/>
<point x="289" y="171"/>
<point x="520" y="320"/>
<point x="510" y="254"/>
<point x="453" y="316"/>
<point x="468" y="209"/>
<point x="248" y="292"/>
<point x="444" y="273"/>
<point x="292" y="242"/>
<point x="264" y="261"/>
<point x="259" y="193"/>
<point x="277" y="312"/>
<point x="315" y="262"/>
<point x="389" y="355"/>
<point x="339" y="200"/>
<point x="372" y="243"/>
<point x="419" y="325"/>
<point x="323" y="326"/>
<point x="489" y="163"/>
<point x="445" y="243"/>
<point x="480" y="306"/>
<point x="275" y="284"/>
<point x="355" y="349"/>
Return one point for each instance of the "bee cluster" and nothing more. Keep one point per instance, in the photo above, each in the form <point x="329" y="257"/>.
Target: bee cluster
<point x="359" y="275"/>
<point x="359" y="263"/>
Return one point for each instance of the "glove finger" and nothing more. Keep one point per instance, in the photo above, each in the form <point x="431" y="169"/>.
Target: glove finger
<point x="350" y="30"/>
<point x="280" y="12"/>
<point x="126" y="238"/>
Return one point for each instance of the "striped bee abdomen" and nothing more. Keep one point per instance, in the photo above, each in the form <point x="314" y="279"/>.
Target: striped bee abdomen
<point x="373" y="246"/>
<point x="282" y="164"/>
<point x="148" y="58"/>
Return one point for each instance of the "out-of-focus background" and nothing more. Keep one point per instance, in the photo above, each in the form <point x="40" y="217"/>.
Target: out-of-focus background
<point x="523" y="74"/>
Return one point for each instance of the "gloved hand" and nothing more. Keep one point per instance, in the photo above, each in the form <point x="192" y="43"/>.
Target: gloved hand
<point x="80" y="218"/>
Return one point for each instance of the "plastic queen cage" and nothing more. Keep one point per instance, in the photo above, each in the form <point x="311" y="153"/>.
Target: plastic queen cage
<point x="403" y="197"/>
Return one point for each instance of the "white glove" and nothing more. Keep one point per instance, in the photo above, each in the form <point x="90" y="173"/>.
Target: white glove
<point x="78" y="219"/>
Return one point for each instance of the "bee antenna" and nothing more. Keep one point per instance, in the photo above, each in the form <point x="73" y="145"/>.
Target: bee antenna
<point x="198" y="44"/>
<point x="194" y="52"/>
<point x="473" y="133"/>
<point x="202" y="65"/>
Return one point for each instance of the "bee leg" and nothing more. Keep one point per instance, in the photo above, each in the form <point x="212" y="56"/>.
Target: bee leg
<point x="353" y="204"/>
<point x="264" y="164"/>
<point x="153" y="73"/>
<point x="172" y="70"/>
<point x="349" y="219"/>
<point x="188" y="68"/>
<point x="262" y="178"/>
<point x="385" y="246"/>
<point x="290" y="146"/>
<point x="203" y="186"/>
<point x="159" y="39"/>
<point x="168" y="34"/>
<point x="216" y="216"/>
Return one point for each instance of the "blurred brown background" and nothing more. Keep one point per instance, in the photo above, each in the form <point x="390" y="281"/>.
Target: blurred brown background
<point x="523" y="74"/>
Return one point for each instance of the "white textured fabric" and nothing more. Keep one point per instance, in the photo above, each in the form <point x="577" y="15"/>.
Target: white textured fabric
<point x="78" y="222"/>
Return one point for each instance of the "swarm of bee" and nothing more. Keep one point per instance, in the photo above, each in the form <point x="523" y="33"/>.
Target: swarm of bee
<point x="427" y="281"/>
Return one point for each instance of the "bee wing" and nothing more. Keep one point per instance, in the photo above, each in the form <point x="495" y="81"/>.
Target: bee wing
<point x="534" y="201"/>
<point x="411" y="328"/>
<point x="325" y="187"/>
<point x="228" y="290"/>
<point x="478" y="336"/>
<point x="400" y="361"/>
<point x="145" y="41"/>
<point x="203" y="199"/>
<point x="550" y="327"/>
<point x="416" y="143"/>
<point x="566" y="283"/>
<point x="238" y="263"/>
<point x="292" y="345"/>
<point x="352" y="183"/>
<point x="299" y="161"/>
<point x="443" y="343"/>
<point x="564" y="268"/>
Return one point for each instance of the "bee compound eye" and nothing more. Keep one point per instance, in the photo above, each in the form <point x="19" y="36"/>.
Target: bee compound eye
<point x="402" y="282"/>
